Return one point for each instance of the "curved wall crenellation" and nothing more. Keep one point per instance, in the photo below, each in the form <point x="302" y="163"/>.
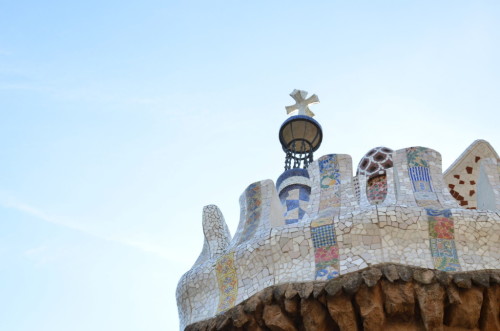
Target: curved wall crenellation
<point x="341" y="230"/>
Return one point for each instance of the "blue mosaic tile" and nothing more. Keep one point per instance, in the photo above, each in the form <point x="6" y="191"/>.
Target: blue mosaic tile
<point x="328" y="163"/>
<point x="438" y="212"/>
<point x="326" y="273"/>
<point x="323" y="236"/>
<point x="295" y="200"/>
<point x="443" y="248"/>
<point x="304" y="195"/>
<point x="295" y="192"/>
<point x="420" y="178"/>
<point x="291" y="204"/>
<point x="292" y="173"/>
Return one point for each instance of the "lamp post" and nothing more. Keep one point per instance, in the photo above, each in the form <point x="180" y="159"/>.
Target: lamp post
<point x="299" y="136"/>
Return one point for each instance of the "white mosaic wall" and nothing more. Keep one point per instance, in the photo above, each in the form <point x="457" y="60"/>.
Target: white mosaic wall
<point x="419" y="223"/>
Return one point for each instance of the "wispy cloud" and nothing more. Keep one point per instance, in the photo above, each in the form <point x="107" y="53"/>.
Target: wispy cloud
<point x="160" y="251"/>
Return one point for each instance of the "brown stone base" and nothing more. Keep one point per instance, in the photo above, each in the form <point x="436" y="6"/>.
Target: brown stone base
<point x="384" y="297"/>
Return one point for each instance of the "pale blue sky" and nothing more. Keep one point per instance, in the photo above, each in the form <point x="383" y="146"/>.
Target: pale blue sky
<point x="119" y="121"/>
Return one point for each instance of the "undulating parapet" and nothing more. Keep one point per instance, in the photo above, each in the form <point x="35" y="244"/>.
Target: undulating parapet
<point x="192" y="301"/>
<point x="216" y="232"/>
<point x="473" y="179"/>
<point x="260" y="209"/>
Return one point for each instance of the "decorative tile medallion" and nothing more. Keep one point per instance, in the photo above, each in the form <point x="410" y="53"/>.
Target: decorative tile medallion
<point x="253" y="212"/>
<point x="329" y="182"/>
<point x="420" y="179"/>
<point x="327" y="262"/>
<point x="376" y="189"/>
<point x="441" y="227"/>
<point x="227" y="281"/>
<point x="323" y="235"/>
<point x="417" y="157"/>
<point x="442" y="240"/>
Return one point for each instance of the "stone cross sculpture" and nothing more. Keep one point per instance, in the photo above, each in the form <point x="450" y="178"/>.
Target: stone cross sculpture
<point x="301" y="103"/>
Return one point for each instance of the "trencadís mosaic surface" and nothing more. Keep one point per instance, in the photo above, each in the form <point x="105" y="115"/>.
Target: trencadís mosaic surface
<point x="321" y="222"/>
